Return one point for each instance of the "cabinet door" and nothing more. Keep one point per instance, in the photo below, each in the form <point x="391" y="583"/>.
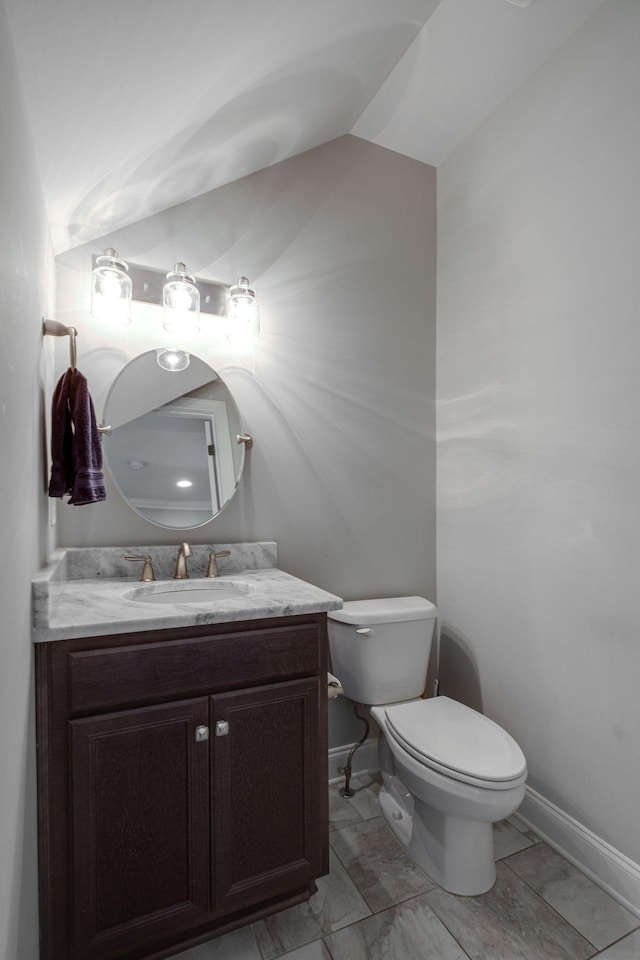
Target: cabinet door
<point x="140" y="826"/>
<point x="267" y="792"/>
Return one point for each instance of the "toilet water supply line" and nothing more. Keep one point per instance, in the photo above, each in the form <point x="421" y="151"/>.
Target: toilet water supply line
<point x="334" y="690"/>
<point x="346" y="791"/>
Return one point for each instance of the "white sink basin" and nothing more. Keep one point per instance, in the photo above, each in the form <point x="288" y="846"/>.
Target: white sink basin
<point x="208" y="591"/>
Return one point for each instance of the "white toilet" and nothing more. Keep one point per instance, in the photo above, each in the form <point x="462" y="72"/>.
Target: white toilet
<point x="448" y="772"/>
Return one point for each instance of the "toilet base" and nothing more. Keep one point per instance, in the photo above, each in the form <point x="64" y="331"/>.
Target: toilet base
<point x="456" y="854"/>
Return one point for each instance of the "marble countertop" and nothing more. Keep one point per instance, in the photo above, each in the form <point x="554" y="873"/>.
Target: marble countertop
<point x="90" y="591"/>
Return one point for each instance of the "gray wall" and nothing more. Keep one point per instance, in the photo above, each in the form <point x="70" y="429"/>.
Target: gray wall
<point x="538" y="423"/>
<point x="339" y="393"/>
<point x="26" y="266"/>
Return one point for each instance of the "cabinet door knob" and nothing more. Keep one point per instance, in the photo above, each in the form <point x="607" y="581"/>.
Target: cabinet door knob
<point x="202" y="733"/>
<point x="222" y="728"/>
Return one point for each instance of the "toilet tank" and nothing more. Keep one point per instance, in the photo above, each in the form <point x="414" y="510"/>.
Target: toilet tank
<point x="380" y="648"/>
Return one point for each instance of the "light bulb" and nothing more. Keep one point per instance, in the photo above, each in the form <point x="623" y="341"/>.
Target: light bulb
<point x="243" y="311"/>
<point x="108" y="284"/>
<point x="184" y="483"/>
<point x="181" y="302"/>
<point x="111" y="289"/>
<point x="179" y="299"/>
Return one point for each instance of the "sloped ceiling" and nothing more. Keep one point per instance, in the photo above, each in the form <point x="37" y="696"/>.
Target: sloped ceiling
<point x="138" y="105"/>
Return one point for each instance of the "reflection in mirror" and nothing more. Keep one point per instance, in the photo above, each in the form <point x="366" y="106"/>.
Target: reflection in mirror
<point x="173" y="452"/>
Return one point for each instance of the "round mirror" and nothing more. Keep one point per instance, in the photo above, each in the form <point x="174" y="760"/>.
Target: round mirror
<point x="174" y="452"/>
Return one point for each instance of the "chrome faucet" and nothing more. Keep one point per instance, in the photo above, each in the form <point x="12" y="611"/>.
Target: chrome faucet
<point x="181" y="572"/>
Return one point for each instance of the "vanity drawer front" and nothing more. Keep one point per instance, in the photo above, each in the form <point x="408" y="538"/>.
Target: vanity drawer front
<point x="109" y="677"/>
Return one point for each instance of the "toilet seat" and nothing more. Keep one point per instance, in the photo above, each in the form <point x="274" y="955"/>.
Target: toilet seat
<point x="456" y="741"/>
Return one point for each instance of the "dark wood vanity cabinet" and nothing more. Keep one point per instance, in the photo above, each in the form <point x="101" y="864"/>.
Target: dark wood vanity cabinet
<point x="182" y="784"/>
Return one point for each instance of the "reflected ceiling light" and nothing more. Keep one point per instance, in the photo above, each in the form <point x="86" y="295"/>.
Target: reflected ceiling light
<point x="184" y="483"/>
<point x="172" y="359"/>
<point x="111" y="289"/>
<point x="181" y="302"/>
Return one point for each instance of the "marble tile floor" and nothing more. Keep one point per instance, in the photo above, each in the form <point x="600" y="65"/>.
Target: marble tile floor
<point x="377" y="905"/>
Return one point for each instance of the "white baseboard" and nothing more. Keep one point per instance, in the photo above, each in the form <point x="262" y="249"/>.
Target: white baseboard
<point x="605" y="865"/>
<point x="365" y="759"/>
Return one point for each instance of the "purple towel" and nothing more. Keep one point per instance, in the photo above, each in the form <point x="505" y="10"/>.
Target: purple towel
<point x="76" y="447"/>
<point x="88" y="482"/>
<point x="61" y="439"/>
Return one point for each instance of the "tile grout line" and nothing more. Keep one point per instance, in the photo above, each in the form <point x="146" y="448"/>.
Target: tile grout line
<point x="581" y="872"/>
<point x="329" y="951"/>
<point x="375" y="913"/>
<point x="557" y="912"/>
<point x="619" y="940"/>
<point x="392" y="907"/>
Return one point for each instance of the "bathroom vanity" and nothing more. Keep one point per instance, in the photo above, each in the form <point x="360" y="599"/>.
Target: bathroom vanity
<point x="182" y="753"/>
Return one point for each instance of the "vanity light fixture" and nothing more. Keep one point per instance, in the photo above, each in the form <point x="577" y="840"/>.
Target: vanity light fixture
<point x="182" y="296"/>
<point x="111" y="289"/>
<point x="181" y="302"/>
<point x="172" y="359"/>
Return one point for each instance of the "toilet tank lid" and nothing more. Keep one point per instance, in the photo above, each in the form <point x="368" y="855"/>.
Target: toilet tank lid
<point x="387" y="610"/>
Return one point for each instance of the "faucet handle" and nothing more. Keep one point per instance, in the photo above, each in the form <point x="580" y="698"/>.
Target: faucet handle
<point x="147" y="574"/>
<point x="212" y="569"/>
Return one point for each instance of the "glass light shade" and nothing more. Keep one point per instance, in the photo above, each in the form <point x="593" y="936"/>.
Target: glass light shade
<point x="243" y="311"/>
<point x="111" y="289"/>
<point x="181" y="302"/>
<point x="172" y="359"/>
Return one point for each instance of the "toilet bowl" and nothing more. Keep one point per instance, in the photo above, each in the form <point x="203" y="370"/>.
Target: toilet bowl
<point x="448" y="772"/>
<point x="456" y="796"/>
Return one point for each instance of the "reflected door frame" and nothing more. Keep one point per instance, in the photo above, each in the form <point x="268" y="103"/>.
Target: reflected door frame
<point x="213" y="413"/>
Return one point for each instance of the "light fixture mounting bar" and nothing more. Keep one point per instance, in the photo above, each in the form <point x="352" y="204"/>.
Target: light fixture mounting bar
<point x="148" y="284"/>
